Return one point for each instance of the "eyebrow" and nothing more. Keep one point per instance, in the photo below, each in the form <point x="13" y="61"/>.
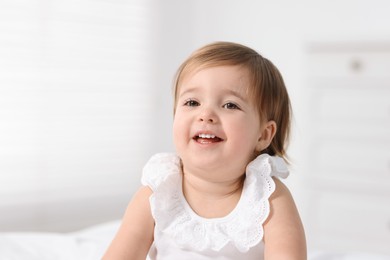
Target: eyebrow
<point x="228" y="92"/>
<point x="236" y="94"/>
<point x="189" y="90"/>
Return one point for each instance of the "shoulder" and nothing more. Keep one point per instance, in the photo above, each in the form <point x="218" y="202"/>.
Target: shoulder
<point x="141" y="196"/>
<point x="284" y="236"/>
<point x="281" y="190"/>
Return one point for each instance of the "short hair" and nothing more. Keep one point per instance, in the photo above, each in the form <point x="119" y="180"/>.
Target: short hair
<point x="267" y="88"/>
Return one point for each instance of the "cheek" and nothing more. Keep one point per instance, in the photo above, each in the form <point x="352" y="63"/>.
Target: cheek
<point x="246" y="132"/>
<point x="175" y="126"/>
<point x="180" y="128"/>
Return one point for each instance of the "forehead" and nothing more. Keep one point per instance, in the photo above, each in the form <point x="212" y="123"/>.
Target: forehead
<point x="229" y="77"/>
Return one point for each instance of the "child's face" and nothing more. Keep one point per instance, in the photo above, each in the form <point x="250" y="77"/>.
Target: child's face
<point x="216" y="125"/>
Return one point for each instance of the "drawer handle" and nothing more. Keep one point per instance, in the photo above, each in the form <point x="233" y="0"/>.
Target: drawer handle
<point x="356" y="65"/>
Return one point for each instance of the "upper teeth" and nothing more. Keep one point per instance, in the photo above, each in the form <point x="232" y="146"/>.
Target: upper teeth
<point x="206" y="136"/>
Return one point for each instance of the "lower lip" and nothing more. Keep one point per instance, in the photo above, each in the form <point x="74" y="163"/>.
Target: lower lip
<point x="203" y="141"/>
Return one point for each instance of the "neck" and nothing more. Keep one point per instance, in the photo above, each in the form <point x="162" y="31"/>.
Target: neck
<point x="210" y="198"/>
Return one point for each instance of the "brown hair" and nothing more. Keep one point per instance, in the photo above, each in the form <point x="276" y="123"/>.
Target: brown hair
<point x="267" y="89"/>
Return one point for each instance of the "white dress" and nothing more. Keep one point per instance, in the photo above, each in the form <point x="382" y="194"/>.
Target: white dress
<point x="182" y="234"/>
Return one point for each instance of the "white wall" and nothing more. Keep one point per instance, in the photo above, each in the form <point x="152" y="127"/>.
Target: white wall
<point x="76" y="110"/>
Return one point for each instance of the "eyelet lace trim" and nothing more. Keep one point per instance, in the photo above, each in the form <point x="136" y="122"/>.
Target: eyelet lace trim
<point x="242" y="227"/>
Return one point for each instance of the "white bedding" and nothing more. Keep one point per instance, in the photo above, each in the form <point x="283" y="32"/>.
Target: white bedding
<point x="91" y="243"/>
<point x="86" y="244"/>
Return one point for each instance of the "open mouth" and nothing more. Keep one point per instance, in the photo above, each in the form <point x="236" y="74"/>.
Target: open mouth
<point x="207" y="138"/>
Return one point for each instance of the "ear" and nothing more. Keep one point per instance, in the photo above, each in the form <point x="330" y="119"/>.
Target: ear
<point x="267" y="133"/>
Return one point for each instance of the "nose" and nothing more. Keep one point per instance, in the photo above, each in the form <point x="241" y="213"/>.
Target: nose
<point x="208" y="116"/>
<point x="208" y="120"/>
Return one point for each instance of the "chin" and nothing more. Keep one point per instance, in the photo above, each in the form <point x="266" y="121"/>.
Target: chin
<point x="201" y="162"/>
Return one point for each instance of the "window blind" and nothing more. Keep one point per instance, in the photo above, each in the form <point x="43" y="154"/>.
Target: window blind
<point x="75" y="95"/>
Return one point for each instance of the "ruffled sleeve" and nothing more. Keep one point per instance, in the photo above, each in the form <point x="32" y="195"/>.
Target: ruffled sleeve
<point x="159" y="168"/>
<point x="277" y="164"/>
<point x="258" y="188"/>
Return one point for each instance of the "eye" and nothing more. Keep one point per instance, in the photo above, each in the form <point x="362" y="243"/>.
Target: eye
<point x="191" y="103"/>
<point x="230" y="105"/>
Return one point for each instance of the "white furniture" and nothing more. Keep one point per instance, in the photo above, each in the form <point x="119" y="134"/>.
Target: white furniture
<point x="348" y="151"/>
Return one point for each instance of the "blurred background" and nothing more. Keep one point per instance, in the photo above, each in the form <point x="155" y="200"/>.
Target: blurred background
<point x="85" y="100"/>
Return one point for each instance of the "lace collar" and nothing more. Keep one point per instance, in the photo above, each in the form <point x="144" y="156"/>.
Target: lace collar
<point x="243" y="227"/>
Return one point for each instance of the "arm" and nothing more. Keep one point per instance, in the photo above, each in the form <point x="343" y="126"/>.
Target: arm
<point x="284" y="237"/>
<point x="135" y="234"/>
